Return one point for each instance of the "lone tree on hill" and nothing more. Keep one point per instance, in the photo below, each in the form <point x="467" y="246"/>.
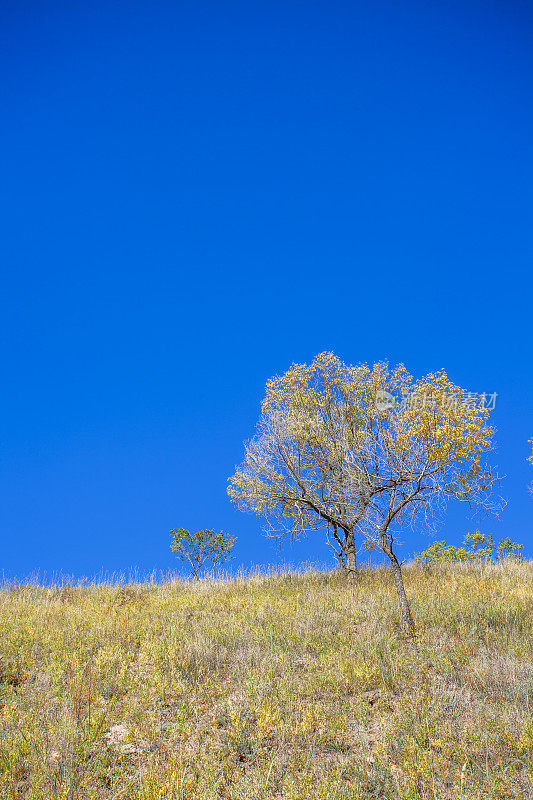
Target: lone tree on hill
<point x="335" y="450"/>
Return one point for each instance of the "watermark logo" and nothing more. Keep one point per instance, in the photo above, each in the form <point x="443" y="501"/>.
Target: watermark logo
<point x="385" y="400"/>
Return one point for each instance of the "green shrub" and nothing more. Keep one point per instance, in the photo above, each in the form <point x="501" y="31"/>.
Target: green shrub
<point x="205" y="545"/>
<point x="476" y="546"/>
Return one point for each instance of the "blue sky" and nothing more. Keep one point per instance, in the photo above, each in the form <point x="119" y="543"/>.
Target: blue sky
<point x="193" y="196"/>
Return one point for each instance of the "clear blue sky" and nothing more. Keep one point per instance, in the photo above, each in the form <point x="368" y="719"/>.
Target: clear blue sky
<point x="196" y="194"/>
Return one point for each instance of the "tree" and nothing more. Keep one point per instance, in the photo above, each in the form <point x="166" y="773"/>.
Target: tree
<point x="335" y="449"/>
<point x="204" y="545"/>
<point x="302" y="468"/>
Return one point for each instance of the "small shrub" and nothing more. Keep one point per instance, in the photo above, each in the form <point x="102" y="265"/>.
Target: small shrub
<point x="476" y="546"/>
<point x="205" y="545"/>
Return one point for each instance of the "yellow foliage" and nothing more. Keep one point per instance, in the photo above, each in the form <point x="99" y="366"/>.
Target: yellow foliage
<point x="327" y="444"/>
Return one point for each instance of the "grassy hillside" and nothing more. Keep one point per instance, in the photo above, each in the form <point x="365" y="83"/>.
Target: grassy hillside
<point x="289" y="686"/>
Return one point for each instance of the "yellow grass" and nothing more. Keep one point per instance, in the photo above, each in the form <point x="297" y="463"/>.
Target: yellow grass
<point x="293" y="685"/>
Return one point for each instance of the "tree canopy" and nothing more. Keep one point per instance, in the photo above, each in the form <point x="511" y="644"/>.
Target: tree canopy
<point x="360" y="451"/>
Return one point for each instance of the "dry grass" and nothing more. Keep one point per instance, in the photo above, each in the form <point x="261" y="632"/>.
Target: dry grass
<point x="290" y="686"/>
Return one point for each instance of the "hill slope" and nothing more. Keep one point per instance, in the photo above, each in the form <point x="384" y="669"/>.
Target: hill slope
<point x="289" y="686"/>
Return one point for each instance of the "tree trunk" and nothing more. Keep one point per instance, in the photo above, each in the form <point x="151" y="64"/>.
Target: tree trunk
<point x="351" y="563"/>
<point x="407" y="620"/>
